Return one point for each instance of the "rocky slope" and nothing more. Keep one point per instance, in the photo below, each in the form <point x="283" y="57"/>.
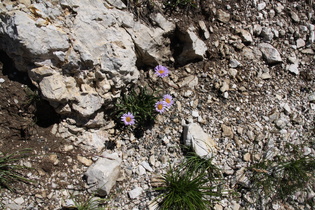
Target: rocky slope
<point x="243" y="71"/>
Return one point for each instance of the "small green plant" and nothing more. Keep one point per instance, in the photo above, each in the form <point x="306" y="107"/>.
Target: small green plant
<point x="32" y="97"/>
<point x="139" y="107"/>
<point x="89" y="203"/>
<point x="282" y="179"/>
<point x="181" y="4"/>
<point x="10" y="171"/>
<point x="192" y="185"/>
<point x="140" y="103"/>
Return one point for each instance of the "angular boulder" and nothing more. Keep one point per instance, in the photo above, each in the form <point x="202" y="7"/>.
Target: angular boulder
<point x="201" y="142"/>
<point x="102" y="175"/>
<point x="270" y="54"/>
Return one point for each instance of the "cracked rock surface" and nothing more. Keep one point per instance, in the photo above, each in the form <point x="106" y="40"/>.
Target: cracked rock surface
<point x="248" y="85"/>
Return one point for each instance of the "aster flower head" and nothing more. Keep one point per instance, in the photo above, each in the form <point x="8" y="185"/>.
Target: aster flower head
<point x="168" y="99"/>
<point x="160" y="106"/>
<point x="161" y="71"/>
<point x="128" y="119"/>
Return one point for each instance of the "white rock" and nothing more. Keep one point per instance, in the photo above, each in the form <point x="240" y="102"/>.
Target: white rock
<point x="270" y="54"/>
<point x="136" y="192"/>
<point x="306" y="150"/>
<point x="141" y="170"/>
<point x="265" y="76"/>
<point x="201" y="142"/>
<point x="311" y="97"/>
<point x="147" y="166"/>
<point x="294" y="17"/>
<point x="234" y="63"/>
<point x="286" y="108"/>
<point x="102" y="175"/>
<point x="203" y="27"/>
<point x="194" y="48"/>
<point x="19" y="200"/>
<point x="267" y="34"/>
<point x="233" y="72"/>
<point x="53" y="88"/>
<point x="195" y="113"/>
<point x="20" y="26"/>
<point x="88" y="104"/>
<point x="117" y="3"/>
<point x="261" y="6"/>
<point x="293" y="68"/>
<point x="257" y="29"/>
<point x="2" y="80"/>
<point x="300" y="43"/>
<point x="166" y="25"/>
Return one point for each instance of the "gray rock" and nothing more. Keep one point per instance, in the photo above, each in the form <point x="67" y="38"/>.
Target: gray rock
<point x="116" y="3"/>
<point x="300" y="43"/>
<point x="203" y="27"/>
<point x="98" y="60"/>
<point x="311" y="97"/>
<point x="293" y="68"/>
<point x="246" y="36"/>
<point x="87" y="104"/>
<point x="147" y="166"/>
<point x="257" y="29"/>
<point x="102" y="175"/>
<point x="234" y="63"/>
<point x="222" y="16"/>
<point x="261" y="6"/>
<point x="294" y="17"/>
<point x="266" y="34"/>
<point x="270" y="54"/>
<point x="136" y="192"/>
<point x="193" y="49"/>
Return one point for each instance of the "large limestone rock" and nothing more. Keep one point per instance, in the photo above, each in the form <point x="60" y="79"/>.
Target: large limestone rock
<point x="193" y="47"/>
<point x="201" y="142"/>
<point x="102" y="175"/>
<point x="81" y="53"/>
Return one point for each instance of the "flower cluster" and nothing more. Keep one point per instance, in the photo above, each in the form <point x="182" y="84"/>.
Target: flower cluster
<point x="160" y="106"/>
<point x="164" y="104"/>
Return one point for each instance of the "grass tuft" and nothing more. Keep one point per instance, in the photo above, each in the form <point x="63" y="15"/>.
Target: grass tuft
<point x="180" y="4"/>
<point x="10" y="170"/>
<point x="281" y="178"/>
<point x="194" y="184"/>
<point x="89" y="203"/>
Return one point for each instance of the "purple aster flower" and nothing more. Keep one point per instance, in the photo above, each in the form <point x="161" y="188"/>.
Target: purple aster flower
<point x="168" y="99"/>
<point x="128" y="119"/>
<point x="160" y="106"/>
<point x="161" y="71"/>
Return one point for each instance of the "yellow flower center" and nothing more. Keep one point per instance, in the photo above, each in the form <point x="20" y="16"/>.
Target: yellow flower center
<point x="128" y="119"/>
<point x="161" y="71"/>
<point x="167" y="100"/>
<point x="160" y="106"/>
